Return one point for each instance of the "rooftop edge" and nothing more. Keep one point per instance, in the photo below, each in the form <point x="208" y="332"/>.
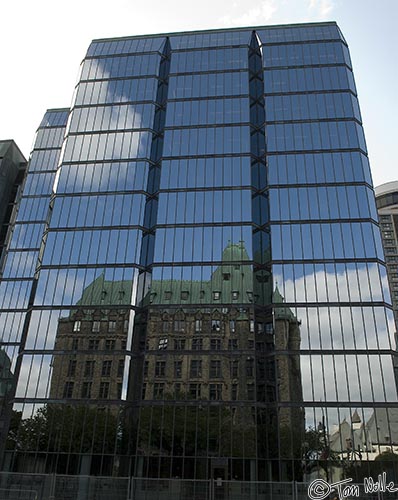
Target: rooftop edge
<point x="217" y="30"/>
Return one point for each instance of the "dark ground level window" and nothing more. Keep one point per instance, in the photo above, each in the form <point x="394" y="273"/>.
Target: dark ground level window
<point x="160" y="368"/>
<point x="194" y="391"/>
<point x="93" y="344"/>
<point x="72" y="368"/>
<point x="197" y="344"/>
<point x="215" y="368"/>
<point x="120" y="368"/>
<point x="158" y="391"/>
<point x="86" y="390"/>
<point x="215" y="344"/>
<point x="68" y="390"/>
<point x="179" y="344"/>
<point x="215" y="392"/>
<point x="232" y="344"/>
<point x="196" y="368"/>
<point x="110" y="344"/>
<point x="106" y="368"/>
<point x="103" y="390"/>
<point x="234" y="367"/>
<point x="177" y="369"/>
<point x="89" y="368"/>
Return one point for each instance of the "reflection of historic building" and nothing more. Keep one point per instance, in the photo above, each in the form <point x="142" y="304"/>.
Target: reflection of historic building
<point x="202" y="364"/>
<point x="204" y="355"/>
<point x="287" y="348"/>
<point x="201" y="340"/>
<point x="359" y="440"/>
<point x="90" y="345"/>
<point x="6" y="384"/>
<point x="207" y="355"/>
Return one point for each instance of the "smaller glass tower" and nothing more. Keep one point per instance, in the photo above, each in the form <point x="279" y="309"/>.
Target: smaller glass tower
<point x="387" y="206"/>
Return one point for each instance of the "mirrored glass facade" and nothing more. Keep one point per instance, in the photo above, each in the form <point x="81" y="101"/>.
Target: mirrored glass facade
<point x="195" y="286"/>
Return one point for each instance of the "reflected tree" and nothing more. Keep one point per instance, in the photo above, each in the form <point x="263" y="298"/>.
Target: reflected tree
<point x="317" y="453"/>
<point x="65" y="428"/>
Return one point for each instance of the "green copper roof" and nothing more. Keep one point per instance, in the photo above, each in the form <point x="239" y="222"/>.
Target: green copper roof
<point x="281" y="312"/>
<point x="234" y="252"/>
<point x="231" y="282"/>
<point x="102" y="292"/>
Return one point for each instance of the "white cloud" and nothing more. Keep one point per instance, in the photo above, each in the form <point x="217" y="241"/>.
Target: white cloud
<point x="261" y="14"/>
<point x="321" y="8"/>
<point x="35" y="376"/>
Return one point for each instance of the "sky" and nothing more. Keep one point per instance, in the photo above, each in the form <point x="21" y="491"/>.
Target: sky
<point x="43" y="42"/>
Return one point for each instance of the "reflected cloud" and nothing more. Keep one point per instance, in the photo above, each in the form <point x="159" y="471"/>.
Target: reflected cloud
<point x="332" y="283"/>
<point x="346" y="377"/>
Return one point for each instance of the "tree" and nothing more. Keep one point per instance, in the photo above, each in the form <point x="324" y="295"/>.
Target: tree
<point x="317" y="453"/>
<point x="64" y="428"/>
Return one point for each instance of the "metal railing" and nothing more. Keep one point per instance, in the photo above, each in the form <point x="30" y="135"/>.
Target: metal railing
<point x="17" y="494"/>
<point x="21" y="486"/>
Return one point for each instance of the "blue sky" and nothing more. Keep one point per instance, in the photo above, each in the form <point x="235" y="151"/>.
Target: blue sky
<point x="42" y="45"/>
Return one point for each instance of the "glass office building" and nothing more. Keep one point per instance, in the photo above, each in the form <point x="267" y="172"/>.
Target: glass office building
<point x="387" y="207"/>
<point x="195" y="286"/>
<point x="12" y="170"/>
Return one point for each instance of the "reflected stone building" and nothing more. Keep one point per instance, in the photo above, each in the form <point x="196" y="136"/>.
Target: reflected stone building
<point x="12" y="171"/>
<point x="96" y="340"/>
<point x="201" y="289"/>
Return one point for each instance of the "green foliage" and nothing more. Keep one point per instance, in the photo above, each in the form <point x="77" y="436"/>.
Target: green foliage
<point x="65" y="428"/>
<point x="195" y="430"/>
<point x="318" y="453"/>
<point x="387" y="456"/>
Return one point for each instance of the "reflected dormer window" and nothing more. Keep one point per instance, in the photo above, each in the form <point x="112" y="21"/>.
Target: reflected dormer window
<point x="215" y="325"/>
<point x="96" y="326"/>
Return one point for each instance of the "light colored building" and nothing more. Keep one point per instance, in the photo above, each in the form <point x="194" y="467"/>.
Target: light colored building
<point x="387" y="207"/>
